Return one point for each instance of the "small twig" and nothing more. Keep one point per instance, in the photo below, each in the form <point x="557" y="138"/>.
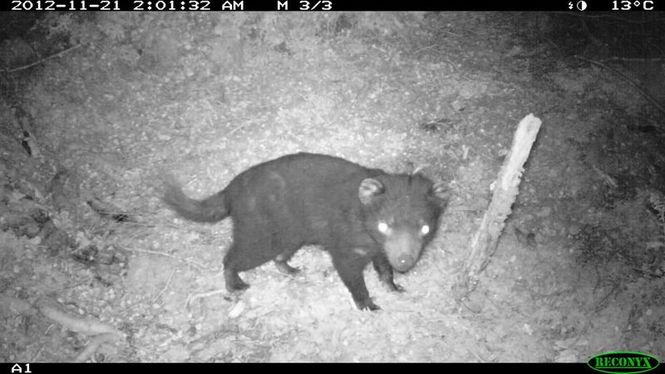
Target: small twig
<point x="146" y="224"/>
<point x="168" y="283"/>
<point x="190" y="262"/>
<point x="192" y="298"/>
<point x="237" y="128"/>
<point x="36" y="355"/>
<point x="40" y="61"/>
<point x="608" y="179"/>
<point x="635" y="59"/>
<point x="601" y="304"/>
<point x="424" y="48"/>
<point x="454" y="34"/>
<point x="646" y="94"/>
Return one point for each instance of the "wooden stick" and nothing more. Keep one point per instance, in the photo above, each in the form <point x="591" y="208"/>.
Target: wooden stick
<point x="506" y="187"/>
<point x="87" y="326"/>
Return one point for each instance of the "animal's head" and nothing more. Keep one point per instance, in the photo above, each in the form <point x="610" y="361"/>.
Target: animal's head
<point x="401" y="212"/>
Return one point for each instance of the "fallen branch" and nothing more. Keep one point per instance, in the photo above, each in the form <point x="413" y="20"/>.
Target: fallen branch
<point x="86" y="326"/>
<point x="100" y="332"/>
<point x="506" y="187"/>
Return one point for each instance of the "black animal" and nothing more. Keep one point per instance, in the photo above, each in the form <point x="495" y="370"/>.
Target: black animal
<point x="358" y="215"/>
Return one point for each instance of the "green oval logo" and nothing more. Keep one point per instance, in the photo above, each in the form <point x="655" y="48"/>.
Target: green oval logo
<point x="623" y="362"/>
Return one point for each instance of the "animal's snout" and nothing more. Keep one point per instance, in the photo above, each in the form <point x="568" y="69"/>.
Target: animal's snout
<point x="403" y="250"/>
<point x="404" y="263"/>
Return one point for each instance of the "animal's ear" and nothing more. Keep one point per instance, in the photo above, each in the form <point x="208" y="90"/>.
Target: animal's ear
<point x="442" y="194"/>
<point x="369" y="189"/>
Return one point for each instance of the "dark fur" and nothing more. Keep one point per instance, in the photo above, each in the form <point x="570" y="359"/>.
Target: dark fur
<point x="280" y="205"/>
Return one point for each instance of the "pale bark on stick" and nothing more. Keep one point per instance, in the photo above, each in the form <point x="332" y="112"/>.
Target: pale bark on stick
<point x="506" y="187"/>
<point x="87" y="326"/>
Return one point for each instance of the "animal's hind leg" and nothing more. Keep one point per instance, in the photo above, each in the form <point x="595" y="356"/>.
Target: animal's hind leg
<point x="242" y="256"/>
<point x="231" y="278"/>
<point x="281" y="261"/>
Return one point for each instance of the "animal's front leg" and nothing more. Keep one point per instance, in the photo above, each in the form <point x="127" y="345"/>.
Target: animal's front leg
<point x="382" y="266"/>
<point x="350" y="268"/>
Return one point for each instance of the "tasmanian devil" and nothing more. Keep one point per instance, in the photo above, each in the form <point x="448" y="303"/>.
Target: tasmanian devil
<point x="359" y="215"/>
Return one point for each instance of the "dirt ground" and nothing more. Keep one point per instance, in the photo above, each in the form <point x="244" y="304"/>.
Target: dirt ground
<point x="96" y="107"/>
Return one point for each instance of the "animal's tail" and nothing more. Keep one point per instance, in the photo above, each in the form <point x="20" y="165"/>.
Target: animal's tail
<point x="211" y="209"/>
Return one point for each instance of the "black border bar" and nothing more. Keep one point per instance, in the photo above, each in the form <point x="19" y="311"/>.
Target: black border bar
<point x="128" y="368"/>
<point x="296" y="368"/>
<point x="578" y="6"/>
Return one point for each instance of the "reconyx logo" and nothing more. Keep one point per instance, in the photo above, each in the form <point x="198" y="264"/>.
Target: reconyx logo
<point x="623" y="362"/>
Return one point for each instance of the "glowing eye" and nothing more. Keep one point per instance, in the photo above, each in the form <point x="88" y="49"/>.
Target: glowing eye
<point x="424" y="230"/>
<point x="383" y="227"/>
